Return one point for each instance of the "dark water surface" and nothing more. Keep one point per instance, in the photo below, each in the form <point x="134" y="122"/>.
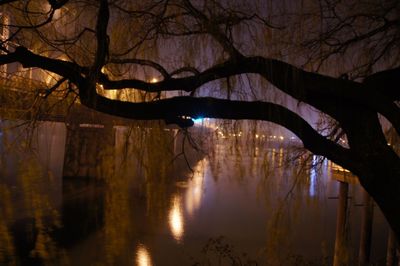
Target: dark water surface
<point x="87" y="199"/>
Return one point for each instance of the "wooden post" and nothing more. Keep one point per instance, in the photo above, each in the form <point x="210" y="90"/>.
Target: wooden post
<point x="366" y="230"/>
<point x="391" y="256"/>
<point x="339" y="258"/>
<point x="397" y="251"/>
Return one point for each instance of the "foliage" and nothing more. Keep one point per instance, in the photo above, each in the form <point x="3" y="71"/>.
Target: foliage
<point x="178" y="60"/>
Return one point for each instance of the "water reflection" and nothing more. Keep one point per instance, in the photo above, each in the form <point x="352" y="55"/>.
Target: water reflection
<point x="7" y="251"/>
<point x="143" y="257"/>
<point x="190" y="198"/>
<point x="194" y="192"/>
<point x="175" y="218"/>
<point x="273" y="157"/>
<point x="313" y="177"/>
<point x="101" y="222"/>
<point x="280" y="164"/>
<point x="30" y="194"/>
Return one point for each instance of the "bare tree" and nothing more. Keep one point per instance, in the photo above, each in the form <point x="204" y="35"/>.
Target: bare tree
<point x="219" y="59"/>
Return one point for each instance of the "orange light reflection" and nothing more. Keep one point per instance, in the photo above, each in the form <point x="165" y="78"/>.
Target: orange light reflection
<point x="143" y="257"/>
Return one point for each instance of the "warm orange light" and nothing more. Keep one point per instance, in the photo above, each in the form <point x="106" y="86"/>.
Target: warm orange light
<point x="143" y="256"/>
<point x="194" y="192"/>
<point x="176" y="218"/>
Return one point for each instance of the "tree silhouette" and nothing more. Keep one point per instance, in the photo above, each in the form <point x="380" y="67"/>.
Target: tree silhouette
<point x="219" y="59"/>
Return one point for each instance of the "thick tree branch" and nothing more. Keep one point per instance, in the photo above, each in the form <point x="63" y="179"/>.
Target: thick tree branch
<point x="187" y="84"/>
<point x="88" y="90"/>
<point x="386" y="81"/>
<point x="312" y="88"/>
<point x="302" y="85"/>
<point x="56" y="4"/>
<point x="142" y="62"/>
<point x="101" y="37"/>
<point x="69" y="70"/>
<point x="8" y="58"/>
<point x="176" y="107"/>
<point x="187" y="69"/>
<point x="3" y="2"/>
<point x="305" y="86"/>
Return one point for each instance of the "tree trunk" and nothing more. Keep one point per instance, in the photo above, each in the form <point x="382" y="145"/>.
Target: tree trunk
<point x="384" y="188"/>
<point x="376" y="164"/>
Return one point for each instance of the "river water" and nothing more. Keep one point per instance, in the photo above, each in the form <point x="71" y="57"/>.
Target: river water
<point x="87" y="198"/>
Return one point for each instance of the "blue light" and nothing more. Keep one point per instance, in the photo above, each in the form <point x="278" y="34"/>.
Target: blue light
<point x="313" y="177"/>
<point x="198" y="119"/>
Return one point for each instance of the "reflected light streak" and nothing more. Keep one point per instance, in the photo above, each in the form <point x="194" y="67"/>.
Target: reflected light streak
<point x="313" y="178"/>
<point x="176" y="218"/>
<point x="190" y="199"/>
<point x="280" y="163"/>
<point x="273" y="154"/>
<point x="194" y="191"/>
<point x="143" y="257"/>
<point x="49" y="80"/>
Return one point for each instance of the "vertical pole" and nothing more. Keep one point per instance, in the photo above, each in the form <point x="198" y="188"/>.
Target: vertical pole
<point x="72" y="150"/>
<point x="175" y="136"/>
<point x="397" y="252"/>
<point x="104" y="146"/>
<point x="339" y="254"/>
<point x="366" y="230"/>
<point x="391" y="249"/>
